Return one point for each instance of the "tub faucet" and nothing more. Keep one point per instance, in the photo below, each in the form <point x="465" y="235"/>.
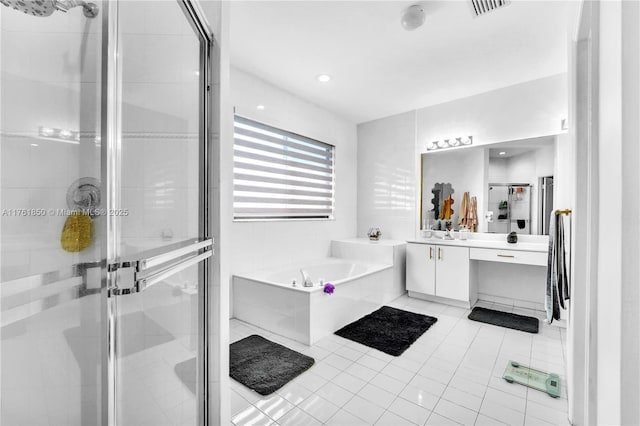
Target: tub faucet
<point x="306" y="280"/>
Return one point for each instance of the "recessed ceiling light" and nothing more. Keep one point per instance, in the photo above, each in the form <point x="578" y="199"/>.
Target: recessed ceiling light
<point x="502" y="153"/>
<point x="260" y="107"/>
<point x="323" y="78"/>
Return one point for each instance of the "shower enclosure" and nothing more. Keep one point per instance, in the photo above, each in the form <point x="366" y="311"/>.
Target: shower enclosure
<point x="104" y="239"/>
<point x="511" y="204"/>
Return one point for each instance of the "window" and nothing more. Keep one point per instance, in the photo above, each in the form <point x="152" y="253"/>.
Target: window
<point x="279" y="174"/>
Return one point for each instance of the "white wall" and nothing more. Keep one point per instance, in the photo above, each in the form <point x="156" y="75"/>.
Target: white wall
<point x="522" y="111"/>
<point x="266" y="244"/>
<point x="389" y="148"/>
<point x="388" y="176"/>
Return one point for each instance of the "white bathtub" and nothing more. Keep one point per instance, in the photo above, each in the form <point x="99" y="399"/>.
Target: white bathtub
<point x="268" y="300"/>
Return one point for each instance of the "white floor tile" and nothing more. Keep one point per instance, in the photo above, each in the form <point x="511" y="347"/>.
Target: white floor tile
<point x="251" y="417"/>
<point x="547" y="414"/>
<point x="428" y="385"/>
<point x="469" y="386"/>
<point x="462" y="398"/>
<point x="452" y="374"/>
<point x="376" y="395"/>
<point x="361" y="372"/>
<point x="380" y="355"/>
<point x="337" y="361"/>
<point x="294" y="392"/>
<point x="388" y="383"/>
<point x="483" y="420"/>
<point x="501" y="413"/>
<point x="274" y="406"/>
<point x="348" y="353"/>
<point x="238" y="403"/>
<point x="398" y="373"/>
<point x="419" y="397"/>
<point x="510" y="388"/>
<point x="414" y="413"/>
<point x="455" y="412"/>
<point x="344" y="418"/>
<point x="364" y="409"/>
<point x="372" y="362"/>
<point x="508" y="400"/>
<point x="437" y="420"/>
<point x="325" y="370"/>
<point x="298" y="417"/>
<point x="390" y="419"/>
<point x="319" y="408"/>
<point x="335" y="394"/>
<point x="350" y="383"/>
<point x="407" y="364"/>
<point x="310" y="380"/>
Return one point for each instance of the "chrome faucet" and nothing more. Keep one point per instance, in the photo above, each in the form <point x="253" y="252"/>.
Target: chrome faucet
<point x="306" y="280"/>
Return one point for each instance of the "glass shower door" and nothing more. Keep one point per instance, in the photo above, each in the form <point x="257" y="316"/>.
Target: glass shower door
<point x="158" y="271"/>
<point x="53" y="333"/>
<point x="103" y="233"/>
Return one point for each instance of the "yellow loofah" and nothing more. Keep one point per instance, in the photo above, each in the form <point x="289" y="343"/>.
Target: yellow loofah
<point x="77" y="232"/>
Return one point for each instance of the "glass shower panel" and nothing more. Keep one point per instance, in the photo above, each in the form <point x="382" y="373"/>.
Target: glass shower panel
<point x="158" y="329"/>
<point x="52" y="328"/>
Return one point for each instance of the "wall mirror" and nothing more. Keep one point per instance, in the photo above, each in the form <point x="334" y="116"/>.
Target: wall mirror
<point x="514" y="183"/>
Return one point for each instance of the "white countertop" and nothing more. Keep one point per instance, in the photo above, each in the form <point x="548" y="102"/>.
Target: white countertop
<point x="381" y="242"/>
<point x="482" y="243"/>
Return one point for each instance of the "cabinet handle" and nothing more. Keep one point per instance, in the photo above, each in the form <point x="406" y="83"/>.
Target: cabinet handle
<point x="506" y="255"/>
<point x="439" y="253"/>
<point x="430" y="253"/>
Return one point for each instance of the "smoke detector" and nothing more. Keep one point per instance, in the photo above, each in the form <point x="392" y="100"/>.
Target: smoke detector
<point x="480" y="7"/>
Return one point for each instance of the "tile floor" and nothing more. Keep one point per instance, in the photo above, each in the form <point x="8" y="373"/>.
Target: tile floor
<point x="450" y="375"/>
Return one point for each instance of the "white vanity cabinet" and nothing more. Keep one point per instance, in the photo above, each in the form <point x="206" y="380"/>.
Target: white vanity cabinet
<point x="438" y="270"/>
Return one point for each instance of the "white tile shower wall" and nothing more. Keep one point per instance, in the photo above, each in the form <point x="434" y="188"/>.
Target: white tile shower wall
<point x="265" y="244"/>
<point x="388" y="148"/>
<point x="57" y="87"/>
<point x="388" y="177"/>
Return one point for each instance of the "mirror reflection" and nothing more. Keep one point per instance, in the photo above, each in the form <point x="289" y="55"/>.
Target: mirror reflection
<point x="513" y="183"/>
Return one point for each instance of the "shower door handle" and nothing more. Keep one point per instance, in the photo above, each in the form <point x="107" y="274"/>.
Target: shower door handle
<point x="156" y="265"/>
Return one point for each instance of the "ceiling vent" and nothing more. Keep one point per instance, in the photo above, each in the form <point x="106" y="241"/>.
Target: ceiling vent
<point x="480" y="7"/>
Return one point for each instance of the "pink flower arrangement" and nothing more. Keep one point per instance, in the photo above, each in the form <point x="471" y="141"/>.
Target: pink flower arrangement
<point x="328" y="288"/>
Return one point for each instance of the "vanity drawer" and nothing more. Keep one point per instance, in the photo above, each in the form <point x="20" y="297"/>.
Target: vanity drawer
<point x="509" y="256"/>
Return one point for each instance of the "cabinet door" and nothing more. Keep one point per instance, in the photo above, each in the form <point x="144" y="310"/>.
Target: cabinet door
<point x="421" y="271"/>
<point x="452" y="272"/>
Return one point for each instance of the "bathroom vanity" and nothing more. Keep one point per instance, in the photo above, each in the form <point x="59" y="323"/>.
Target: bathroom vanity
<point x="449" y="271"/>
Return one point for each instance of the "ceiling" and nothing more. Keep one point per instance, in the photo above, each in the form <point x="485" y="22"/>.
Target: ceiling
<point x="378" y="68"/>
<point x="523" y="146"/>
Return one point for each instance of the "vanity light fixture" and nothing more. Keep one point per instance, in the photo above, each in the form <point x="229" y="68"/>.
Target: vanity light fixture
<point x="502" y="153"/>
<point x="450" y="143"/>
<point x="323" y="78"/>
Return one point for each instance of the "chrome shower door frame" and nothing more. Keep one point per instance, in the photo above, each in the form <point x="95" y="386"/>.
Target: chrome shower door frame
<point x="111" y="157"/>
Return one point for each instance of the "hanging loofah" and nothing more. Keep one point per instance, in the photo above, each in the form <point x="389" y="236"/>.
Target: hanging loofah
<point x="77" y="232"/>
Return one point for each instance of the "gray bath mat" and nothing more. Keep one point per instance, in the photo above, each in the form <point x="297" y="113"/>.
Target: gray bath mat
<point x="505" y="319"/>
<point x="263" y="365"/>
<point x="388" y="329"/>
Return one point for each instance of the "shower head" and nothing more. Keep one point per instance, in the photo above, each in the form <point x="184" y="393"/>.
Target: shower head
<point x="47" y="7"/>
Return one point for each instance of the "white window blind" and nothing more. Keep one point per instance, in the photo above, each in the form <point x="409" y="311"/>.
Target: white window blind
<point x="279" y="174"/>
